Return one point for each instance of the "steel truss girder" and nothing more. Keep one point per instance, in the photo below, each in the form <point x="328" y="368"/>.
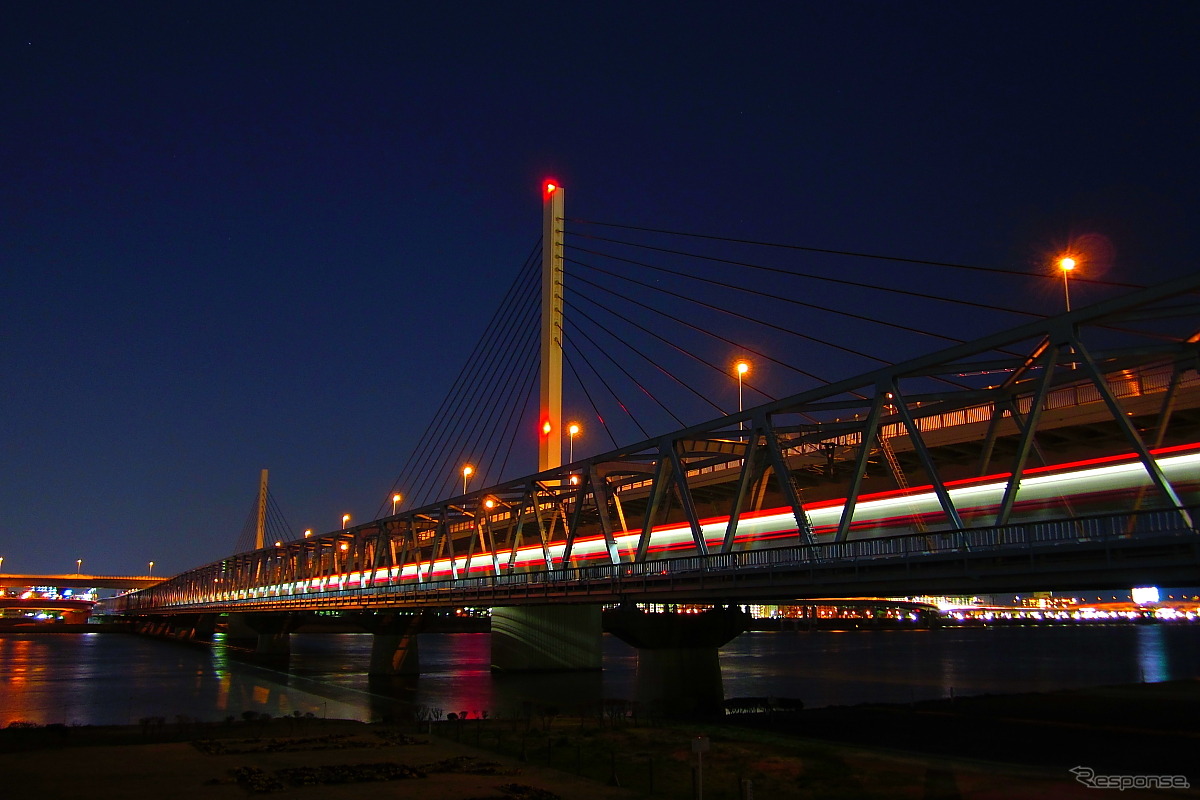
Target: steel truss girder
<point x="1152" y="469"/>
<point x="664" y="465"/>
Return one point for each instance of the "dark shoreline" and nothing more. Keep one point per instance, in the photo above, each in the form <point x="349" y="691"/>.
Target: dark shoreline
<point x="1134" y="726"/>
<point x="1140" y="727"/>
<point x="983" y="746"/>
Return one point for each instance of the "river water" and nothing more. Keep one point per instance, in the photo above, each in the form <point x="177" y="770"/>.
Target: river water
<point x="109" y="678"/>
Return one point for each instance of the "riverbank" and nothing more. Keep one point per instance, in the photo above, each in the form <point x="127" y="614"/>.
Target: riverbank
<point x="976" y="747"/>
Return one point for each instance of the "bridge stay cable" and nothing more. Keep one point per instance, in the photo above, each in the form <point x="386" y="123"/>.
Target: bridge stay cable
<point x="703" y="331"/>
<point x="658" y="366"/>
<point x="587" y="395"/>
<point x="786" y="299"/>
<point x="857" y="254"/>
<point x="750" y="318"/>
<point x="603" y="382"/>
<point x="422" y="468"/>
<point x="488" y="384"/>
<point x="621" y="368"/>
<point x="758" y="293"/>
<point x="812" y="276"/>
<point x="479" y="437"/>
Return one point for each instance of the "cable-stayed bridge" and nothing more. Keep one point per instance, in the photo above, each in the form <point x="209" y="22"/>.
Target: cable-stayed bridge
<point x="792" y="476"/>
<point x="1062" y="452"/>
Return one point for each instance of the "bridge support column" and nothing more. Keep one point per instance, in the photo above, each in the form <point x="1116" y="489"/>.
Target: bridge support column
<point x="270" y="633"/>
<point x="536" y="638"/>
<point x="184" y="627"/>
<point x="678" y="668"/>
<point x="394" y="641"/>
<point x="203" y="627"/>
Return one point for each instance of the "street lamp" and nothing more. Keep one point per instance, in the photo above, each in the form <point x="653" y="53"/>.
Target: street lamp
<point x="1" y="563"/>
<point x="468" y="471"/>
<point x="396" y="498"/>
<point x="150" y="571"/>
<point x="345" y="519"/>
<point x="1065" y="265"/>
<point x="308" y="533"/>
<point x="742" y="367"/>
<point x="573" y="430"/>
<point x="79" y="566"/>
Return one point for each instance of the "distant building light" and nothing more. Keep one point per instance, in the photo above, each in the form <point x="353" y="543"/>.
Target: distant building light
<point x="1145" y="594"/>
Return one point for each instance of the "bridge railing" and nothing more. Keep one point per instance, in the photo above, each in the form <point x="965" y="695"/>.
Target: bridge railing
<point x="1098" y="529"/>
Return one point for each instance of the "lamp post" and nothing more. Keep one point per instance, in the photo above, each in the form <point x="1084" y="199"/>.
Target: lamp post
<point x="1065" y="265"/>
<point x="308" y="533"/>
<point x="150" y="571"/>
<point x="79" y="566"/>
<point x="396" y="498"/>
<point x="573" y="430"/>
<point x="468" y="471"/>
<point x="345" y="520"/>
<point x="1" y="563"/>
<point x="741" y="367"/>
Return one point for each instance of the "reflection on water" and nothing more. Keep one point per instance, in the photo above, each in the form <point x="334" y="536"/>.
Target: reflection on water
<point x="102" y="679"/>
<point x="830" y="668"/>
<point x="455" y="675"/>
<point x="1153" y="661"/>
<point x="117" y="679"/>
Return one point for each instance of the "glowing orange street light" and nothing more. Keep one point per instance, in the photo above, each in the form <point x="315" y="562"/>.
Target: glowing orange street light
<point x="468" y="471"/>
<point x="573" y="430"/>
<point x="345" y="519"/>
<point x="396" y="498"/>
<point x="150" y="571"/>
<point x="742" y="367"/>
<point x="79" y="566"/>
<point x="1065" y="265"/>
<point x="308" y="533"/>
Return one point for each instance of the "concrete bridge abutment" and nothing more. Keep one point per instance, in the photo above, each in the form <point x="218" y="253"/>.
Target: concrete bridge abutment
<point x="678" y="667"/>
<point x="546" y="638"/>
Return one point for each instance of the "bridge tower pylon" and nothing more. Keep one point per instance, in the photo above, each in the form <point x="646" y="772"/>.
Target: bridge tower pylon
<point x="551" y="637"/>
<point x="550" y="418"/>
<point x="260" y="523"/>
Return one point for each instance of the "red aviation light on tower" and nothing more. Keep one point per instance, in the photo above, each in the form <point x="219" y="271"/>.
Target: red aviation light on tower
<point x="546" y="427"/>
<point x="549" y="187"/>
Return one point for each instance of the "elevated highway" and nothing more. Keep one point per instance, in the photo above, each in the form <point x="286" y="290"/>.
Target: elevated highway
<point x="76" y="580"/>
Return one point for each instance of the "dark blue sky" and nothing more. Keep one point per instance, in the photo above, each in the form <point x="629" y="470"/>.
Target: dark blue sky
<point x="248" y="235"/>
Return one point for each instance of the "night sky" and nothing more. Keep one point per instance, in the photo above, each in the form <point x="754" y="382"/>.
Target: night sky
<point x="238" y="236"/>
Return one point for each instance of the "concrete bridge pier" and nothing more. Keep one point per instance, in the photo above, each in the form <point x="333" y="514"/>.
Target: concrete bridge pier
<point x="183" y="627"/>
<point x="269" y="634"/>
<point x="678" y="668"/>
<point x="546" y="638"/>
<point x="394" y="649"/>
<point x="195" y="627"/>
